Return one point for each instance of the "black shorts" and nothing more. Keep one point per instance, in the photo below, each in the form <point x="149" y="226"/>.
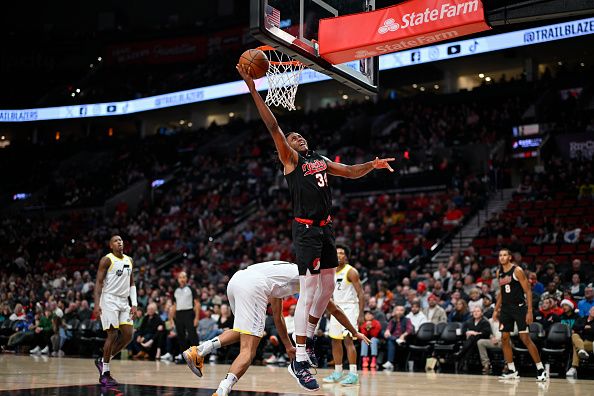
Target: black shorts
<point x="510" y="315"/>
<point x="315" y="247"/>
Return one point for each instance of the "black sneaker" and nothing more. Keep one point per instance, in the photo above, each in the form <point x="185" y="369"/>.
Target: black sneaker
<point x="311" y="353"/>
<point x="509" y="375"/>
<point x="300" y="371"/>
<point x="107" y="380"/>
<point x="541" y="375"/>
<point x="310" y="349"/>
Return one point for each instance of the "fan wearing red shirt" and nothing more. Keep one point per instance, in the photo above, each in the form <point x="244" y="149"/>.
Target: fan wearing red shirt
<point x="453" y="215"/>
<point x="372" y="329"/>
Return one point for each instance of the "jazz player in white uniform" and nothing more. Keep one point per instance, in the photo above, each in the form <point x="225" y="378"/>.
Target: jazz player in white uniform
<point x="115" y="283"/>
<point x="249" y="292"/>
<point x="348" y="295"/>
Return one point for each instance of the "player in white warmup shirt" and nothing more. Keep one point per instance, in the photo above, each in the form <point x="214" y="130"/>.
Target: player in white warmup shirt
<point x="249" y="292"/>
<point x="115" y="283"/>
<point x="348" y="295"/>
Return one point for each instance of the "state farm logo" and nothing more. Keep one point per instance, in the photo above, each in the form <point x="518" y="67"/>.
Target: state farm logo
<point x="442" y="11"/>
<point x="390" y="25"/>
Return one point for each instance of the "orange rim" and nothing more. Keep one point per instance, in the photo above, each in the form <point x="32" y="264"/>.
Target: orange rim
<point x="269" y="48"/>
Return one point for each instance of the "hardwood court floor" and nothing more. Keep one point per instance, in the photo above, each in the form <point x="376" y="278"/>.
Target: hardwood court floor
<point x="27" y="375"/>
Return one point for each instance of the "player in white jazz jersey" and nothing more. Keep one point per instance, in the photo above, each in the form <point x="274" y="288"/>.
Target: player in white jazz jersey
<point x="115" y="283"/>
<point x="249" y="291"/>
<point x="348" y="295"/>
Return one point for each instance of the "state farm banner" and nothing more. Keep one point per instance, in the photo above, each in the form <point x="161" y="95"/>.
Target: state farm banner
<point x="183" y="49"/>
<point x="406" y="25"/>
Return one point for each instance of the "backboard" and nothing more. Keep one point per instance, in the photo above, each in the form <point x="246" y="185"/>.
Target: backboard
<point x="291" y="26"/>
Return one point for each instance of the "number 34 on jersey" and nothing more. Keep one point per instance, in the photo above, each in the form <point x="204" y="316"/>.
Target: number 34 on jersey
<point x="322" y="179"/>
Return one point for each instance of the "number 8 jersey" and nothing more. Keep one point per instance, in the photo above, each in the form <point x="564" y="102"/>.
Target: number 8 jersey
<point x="510" y="288"/>
<point x="308" y="185"/>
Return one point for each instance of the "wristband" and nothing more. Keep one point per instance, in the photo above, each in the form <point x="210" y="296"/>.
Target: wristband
<point x="133" y="297"/>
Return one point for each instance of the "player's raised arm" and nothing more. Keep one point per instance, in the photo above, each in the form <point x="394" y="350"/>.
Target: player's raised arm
<point x="287" y="155"/>
<point x="279" y="322"/>
<point x="101" y="273"/>
<point x="359" y="170"/>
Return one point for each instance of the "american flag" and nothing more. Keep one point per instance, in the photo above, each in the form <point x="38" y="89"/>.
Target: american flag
<point x="272" y="16"/>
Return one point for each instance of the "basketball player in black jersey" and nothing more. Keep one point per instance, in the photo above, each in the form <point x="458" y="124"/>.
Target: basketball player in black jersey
<point x="313" y="237"/>
<point x="514" y="306"/>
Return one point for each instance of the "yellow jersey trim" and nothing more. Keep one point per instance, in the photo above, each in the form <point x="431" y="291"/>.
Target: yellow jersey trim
<point x="346" y="270"/>
<point x="247" y="332"/>
<point x="110" y="262"/>
<point x="112" y="257"/>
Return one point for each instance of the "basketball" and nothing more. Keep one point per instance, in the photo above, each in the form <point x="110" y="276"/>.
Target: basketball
<point x="256" y="61"/>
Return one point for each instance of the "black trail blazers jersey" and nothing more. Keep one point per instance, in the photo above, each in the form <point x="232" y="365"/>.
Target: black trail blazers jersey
<point x="511" y="289"/>
<point x="308" y="185"/>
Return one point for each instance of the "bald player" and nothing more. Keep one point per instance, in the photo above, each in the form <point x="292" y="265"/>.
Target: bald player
<point x="250" y="291"/>
<point x="115" y="283"/>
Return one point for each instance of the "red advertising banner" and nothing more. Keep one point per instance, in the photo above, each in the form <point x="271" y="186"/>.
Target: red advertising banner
<point x="406" y="25"/>
<point x="184" y="49"/>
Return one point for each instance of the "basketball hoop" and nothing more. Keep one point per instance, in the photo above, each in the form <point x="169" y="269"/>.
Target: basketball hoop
<point x="283" y="78"/>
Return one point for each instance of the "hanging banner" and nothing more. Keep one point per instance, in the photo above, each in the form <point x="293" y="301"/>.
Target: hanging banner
<point x="183" y="49"/>
<point x="403" y="26"/>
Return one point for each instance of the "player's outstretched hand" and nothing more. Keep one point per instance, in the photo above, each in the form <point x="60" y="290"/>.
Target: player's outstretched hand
<point x="383" y="163"/>
<point x="97" y="312"/>
<point x="291" y="352"/>
<point x="132" y="312"/>
<point x="362" y="337"/>
<point x="244" y="72"/>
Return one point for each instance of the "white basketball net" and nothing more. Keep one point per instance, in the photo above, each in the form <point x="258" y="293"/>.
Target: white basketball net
<point x="283" y="78"/>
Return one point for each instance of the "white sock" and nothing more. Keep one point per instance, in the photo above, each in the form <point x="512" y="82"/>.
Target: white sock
<point x="353" y="368"/>
<point x="338" y="368"/>
<point x="539" y="366"/>
<point x="209" y="346"/>
<point x="229" y="381"/>
<point x="310" y="330"/>
<point x="301" y="354"/>
<point x="511" y="366"/>
<point x="105" y="368"/>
